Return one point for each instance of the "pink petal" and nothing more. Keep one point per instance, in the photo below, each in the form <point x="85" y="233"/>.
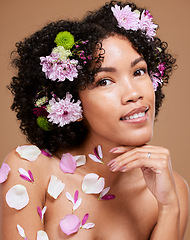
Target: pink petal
<point x="100" y="152"/>
<point x="46" y="153"/>
<point x="108" y="197"/>
<point x="104" y="192"/>
<point x="96" y="153"/>
<point x="85" y="218"/>
<point x="4" y="171"/>
<point x="17" y="197"/>
<point x="77" y="204"/>
<point x="76" y="196"/>
<point x="68" y="163"/>
<point x="94" y="158"/>
<point x="25" y="178"/>
<point x="39" y="212"/>
<point x="31" y="176"/>
<point x="70" y="224"/>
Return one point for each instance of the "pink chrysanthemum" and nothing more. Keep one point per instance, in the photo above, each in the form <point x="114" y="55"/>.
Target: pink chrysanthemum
<point x="147" y="24"/>
<point x="55" y="69"/>
<point x="126" y="18"/>
<point x="161" y="68"/>
<point x="64" y="111"/>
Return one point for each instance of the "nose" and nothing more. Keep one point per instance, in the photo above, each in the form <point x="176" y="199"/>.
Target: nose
<point x="130" y="92"/>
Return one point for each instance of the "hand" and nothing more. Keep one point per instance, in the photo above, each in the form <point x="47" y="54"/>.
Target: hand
<point x="155" y="164"/>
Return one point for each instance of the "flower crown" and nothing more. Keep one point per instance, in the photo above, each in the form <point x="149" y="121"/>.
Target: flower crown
<point x="135" y="20"/>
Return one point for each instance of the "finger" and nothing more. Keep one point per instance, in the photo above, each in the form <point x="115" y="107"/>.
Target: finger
<point x="119" y="164"/>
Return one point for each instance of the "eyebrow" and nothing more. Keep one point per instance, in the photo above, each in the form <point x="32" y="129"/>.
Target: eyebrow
<point x="133" y="63"/>
<point x="112" y="69"/>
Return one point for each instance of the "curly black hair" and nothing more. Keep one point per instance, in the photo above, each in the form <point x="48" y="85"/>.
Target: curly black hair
<point x="30" y="80"/>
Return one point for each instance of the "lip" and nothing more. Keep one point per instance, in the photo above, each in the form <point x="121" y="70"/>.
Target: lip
<point x="135" y="111"/>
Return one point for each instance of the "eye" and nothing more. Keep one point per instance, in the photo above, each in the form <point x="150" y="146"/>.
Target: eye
<point x="104" y="82"/>
<point x="140" y="72"/>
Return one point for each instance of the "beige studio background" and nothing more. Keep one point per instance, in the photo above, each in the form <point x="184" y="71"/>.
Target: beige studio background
<point x="20" y="18"/>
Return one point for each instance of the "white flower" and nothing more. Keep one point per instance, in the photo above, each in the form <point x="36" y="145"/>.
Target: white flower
<point x="63" y="53"/>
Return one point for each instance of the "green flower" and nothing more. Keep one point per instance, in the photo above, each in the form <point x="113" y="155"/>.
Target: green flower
<point x="44" y="124"/>
<point x="65" y="39"/>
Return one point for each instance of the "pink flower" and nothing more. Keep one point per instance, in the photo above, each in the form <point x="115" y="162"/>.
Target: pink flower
<point x="147" y="24"/>
<point x="55" y="68"/>
<point x="161" y="68"/>
<point x="156" y="80"/>
<point x="64" y="111"/>
<point x="126" y="18"/>
<point x="26" y="175"/>
<point x="4" y="172"/>
<point x="76" y="201"/>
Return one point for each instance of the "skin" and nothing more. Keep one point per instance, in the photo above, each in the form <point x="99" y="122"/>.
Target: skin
<point x="151" y="200"/>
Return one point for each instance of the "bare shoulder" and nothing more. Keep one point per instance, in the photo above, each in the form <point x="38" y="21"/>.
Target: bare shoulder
<point x="26" y="181"/>
<point x="184" y="199"/>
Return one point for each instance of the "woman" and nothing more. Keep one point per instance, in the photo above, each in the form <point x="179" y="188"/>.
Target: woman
<point x="87" y="94"/>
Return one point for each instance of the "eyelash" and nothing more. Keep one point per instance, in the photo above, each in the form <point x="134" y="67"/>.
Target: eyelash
<point x="99" y="83"/>
<point x="137" y="72"/>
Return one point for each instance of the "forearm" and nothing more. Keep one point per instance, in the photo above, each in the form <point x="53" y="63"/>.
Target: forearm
<point x="168" y="224"/>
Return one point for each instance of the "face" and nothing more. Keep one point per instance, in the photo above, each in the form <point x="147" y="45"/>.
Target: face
<point x="120" y="108"/>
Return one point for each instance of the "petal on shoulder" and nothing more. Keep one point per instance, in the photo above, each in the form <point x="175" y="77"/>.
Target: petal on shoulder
<point x="4" y="172"/>
<point x="28" y="152"/>
<point x="42" y="235"/>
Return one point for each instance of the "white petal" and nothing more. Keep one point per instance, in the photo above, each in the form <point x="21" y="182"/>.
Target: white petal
<point x="100" y="152"/>
<point x="24" y="172"/>
<point x="4" y="172"/>
<point x="94" y="158"/>
<point x="28" y="152"/>
<point x="104" y="192"/>
<point x="88" y="225"/>
<point x="77" y="204"/>
<point x="43" y="212"/>
<point x="92" y="184"/>
<point x="80" y="160"/>
<point x="69" y="197"/>
<point x="21" y="231"/>
<point x="55" y="187"/>
<point x="41" y="235"/>
<point x="17" y="197"/>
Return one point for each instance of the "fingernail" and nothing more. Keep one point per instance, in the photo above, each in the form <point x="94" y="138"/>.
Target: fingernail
<point x="123" y="169"/>
<point x="112" y="162"/>
<point x="114" y="149"/>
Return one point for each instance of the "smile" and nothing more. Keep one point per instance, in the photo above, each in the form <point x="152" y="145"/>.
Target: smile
<point x="135" y="116"/>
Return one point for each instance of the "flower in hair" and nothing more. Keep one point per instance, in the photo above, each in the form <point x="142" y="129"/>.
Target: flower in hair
<point x="157" y="77"/>
<point x="65" y="39"/>
<point x="147" y="24"/>
<point x="64" y="111"/>
<point x="125" y="17"/>
<point x="134" y="20"/>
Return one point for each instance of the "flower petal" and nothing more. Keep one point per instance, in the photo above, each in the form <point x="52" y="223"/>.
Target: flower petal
<point x="55" y="187"/>
<point x="68" y="163"/>
<point x="77" y="204"/>
<point x="85" y="218"/>
<point x="17" y="197"/>
<point x="42" y="235"/>
<point x="100" y="151"/>
<point x="41" y="212"/>
<point x="104" y="192"/>
<point x="69" y="197"/>
<point x="26" y="175"/>
<point x="94" y="158"/>
<point x="80" y="160"/>
<point x="92" y="184"/>
<point x="108" y="197"/>
<point x="46" y="153"/>
<point x="28" y="152"/>
<point x="4" y="171"/>
<point x="88" y="225"/>
<point x="21" y="231"/>
<point x="70" y="224"/>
